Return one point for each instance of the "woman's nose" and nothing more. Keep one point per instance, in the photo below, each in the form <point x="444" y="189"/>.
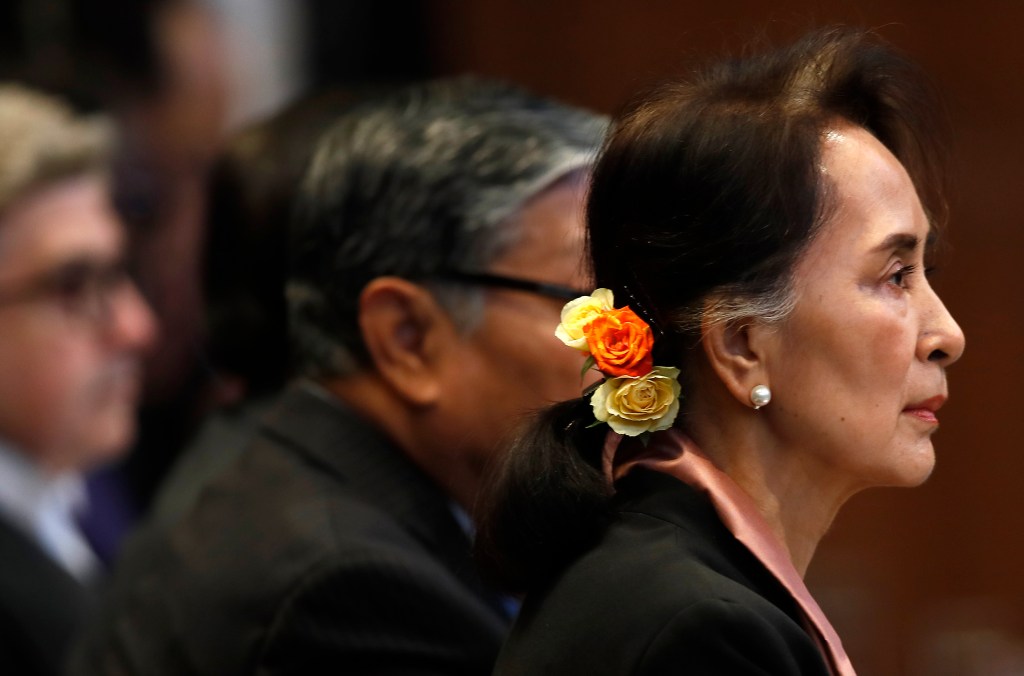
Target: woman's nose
<point x="942" y="341"/>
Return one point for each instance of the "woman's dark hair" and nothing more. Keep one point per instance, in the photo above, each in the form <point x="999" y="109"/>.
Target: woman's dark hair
<point x="705" y="195"/>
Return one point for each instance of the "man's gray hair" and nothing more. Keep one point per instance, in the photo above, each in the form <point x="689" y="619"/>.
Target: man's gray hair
<point x="42" y="141"/>
<point x="422" y="183"/>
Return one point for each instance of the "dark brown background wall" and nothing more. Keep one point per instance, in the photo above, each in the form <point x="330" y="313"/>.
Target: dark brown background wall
<point x="927" y="581"/>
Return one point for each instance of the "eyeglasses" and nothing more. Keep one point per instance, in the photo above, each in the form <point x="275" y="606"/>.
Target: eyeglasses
<point x="501" y="281"/>
<point x="82" y="287"/>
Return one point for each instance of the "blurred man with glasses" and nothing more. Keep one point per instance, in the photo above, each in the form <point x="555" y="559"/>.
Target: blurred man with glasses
<point x="437" y="235"/>
<point x="72" y="328"/>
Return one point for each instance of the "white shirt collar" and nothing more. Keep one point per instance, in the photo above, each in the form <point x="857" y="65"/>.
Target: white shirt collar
<point x="44" y="506"/>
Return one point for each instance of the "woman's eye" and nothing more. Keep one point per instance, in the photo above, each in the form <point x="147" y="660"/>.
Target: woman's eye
<point x="900" y="276"/>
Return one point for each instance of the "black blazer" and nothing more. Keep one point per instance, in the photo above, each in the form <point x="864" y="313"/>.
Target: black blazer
<point x="667" y="590"/>
<point x="41" y="607"/>
<point x="321" y="550"/>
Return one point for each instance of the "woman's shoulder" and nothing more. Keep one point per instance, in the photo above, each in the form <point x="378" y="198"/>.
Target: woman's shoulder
<point x="666" y="582"/>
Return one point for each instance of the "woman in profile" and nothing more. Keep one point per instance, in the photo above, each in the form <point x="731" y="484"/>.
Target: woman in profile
<point x="769" y="345"/>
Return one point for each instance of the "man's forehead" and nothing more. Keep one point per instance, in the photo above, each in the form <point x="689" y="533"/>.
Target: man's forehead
<point x="552" y="222"/>
<point x="72" y="219"/>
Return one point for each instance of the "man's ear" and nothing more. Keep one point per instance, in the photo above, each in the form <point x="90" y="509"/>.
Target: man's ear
<point x="737" y="353"/>
<point x="405" y="331"/>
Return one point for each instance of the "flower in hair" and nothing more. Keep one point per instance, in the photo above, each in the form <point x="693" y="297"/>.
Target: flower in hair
<point x="632" y="406"/>
<point x="635" y="396"/>
<point x="620" y="343"/>
<point x="578" y="313"/>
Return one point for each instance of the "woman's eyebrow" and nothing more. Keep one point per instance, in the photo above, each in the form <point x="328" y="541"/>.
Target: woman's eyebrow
<point x="898" y="241"/>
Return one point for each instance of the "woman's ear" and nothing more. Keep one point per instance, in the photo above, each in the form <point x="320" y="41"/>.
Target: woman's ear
<point x="737" y="353"/>
<point x="405" y="331"/>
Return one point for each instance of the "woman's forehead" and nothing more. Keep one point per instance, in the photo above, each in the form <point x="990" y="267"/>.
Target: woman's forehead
<point x="852" y="154"/>
<point x="872" y="206"/>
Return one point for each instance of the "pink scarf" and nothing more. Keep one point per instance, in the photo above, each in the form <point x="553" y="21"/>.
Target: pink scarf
<point x="675" y="454"/>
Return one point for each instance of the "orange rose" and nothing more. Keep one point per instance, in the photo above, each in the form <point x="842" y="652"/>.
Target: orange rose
<point x="620" y="343"/>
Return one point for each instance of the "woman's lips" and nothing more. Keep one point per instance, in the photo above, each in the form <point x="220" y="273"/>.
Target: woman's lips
<point x="923" y="414"/>
<point x="925" y="410"/>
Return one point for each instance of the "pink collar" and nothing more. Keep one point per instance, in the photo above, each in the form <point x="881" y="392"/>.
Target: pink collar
<point x="675" y="454"/>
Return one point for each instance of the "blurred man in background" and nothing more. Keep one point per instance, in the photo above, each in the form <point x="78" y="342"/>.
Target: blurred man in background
<point x="253" y="188"/>
<point x="157" y="70"/>
<point x="436" y="238"/>
<point x="72" y="330"/>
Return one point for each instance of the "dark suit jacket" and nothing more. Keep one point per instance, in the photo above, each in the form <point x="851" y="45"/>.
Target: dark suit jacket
<point x="667" y="590"/>
<point x="41" y="607"/>
<point x="321" y="550"/>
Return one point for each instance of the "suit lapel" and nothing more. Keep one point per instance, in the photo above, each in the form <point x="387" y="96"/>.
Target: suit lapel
<point x="669" y="499"/>
<point x="41" y="605"/>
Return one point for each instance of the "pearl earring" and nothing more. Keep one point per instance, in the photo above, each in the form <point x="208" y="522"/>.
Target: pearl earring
<point x="760" y="395"/>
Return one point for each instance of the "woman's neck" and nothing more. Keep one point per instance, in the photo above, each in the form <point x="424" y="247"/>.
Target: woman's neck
<point x="796" y="497"/>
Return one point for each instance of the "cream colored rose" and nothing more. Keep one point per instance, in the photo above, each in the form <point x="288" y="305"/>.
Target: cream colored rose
<point x="632" y="406"/>
<point x="578" y="313"/>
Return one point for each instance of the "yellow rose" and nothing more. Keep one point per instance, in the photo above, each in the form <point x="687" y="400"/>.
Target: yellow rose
<point x="632" y="406"/>
<point x="578" y="313"/>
